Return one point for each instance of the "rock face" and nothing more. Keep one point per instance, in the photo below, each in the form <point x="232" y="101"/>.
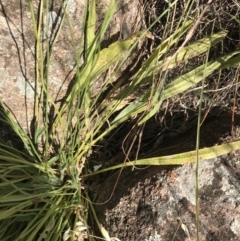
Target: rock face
<point x="161" y="205"/>
<point x="17" y="47"/>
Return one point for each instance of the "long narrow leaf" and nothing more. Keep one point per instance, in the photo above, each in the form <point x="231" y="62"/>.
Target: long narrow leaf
<point x="178" y="86"/>
<point x="193" y="77"/>
<point x="91" y="23"/>
<point x="179" y="159"/>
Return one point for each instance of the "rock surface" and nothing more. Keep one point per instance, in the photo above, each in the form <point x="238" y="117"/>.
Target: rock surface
<point x="17" y="48"/>
<point x="161" y="206"/>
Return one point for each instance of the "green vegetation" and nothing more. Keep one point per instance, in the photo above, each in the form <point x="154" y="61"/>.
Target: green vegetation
<point x="42" y="189"/>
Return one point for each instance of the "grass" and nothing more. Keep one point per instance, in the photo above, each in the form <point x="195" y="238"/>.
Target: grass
<point x="43" y="192"/>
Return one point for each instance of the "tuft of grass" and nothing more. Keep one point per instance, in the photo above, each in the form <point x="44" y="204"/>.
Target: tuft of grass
<point x="42" y="190"/>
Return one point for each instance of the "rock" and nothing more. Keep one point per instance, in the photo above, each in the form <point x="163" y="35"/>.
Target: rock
<point x="162" y="206"/>
<point x="17" y="48"/>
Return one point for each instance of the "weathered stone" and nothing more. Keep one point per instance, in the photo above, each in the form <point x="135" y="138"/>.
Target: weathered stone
<point x="17" y="48"/>
<point x="162" y="207"/>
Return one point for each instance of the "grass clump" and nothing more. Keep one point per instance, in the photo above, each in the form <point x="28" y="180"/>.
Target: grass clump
<point x="43" y="191"/>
